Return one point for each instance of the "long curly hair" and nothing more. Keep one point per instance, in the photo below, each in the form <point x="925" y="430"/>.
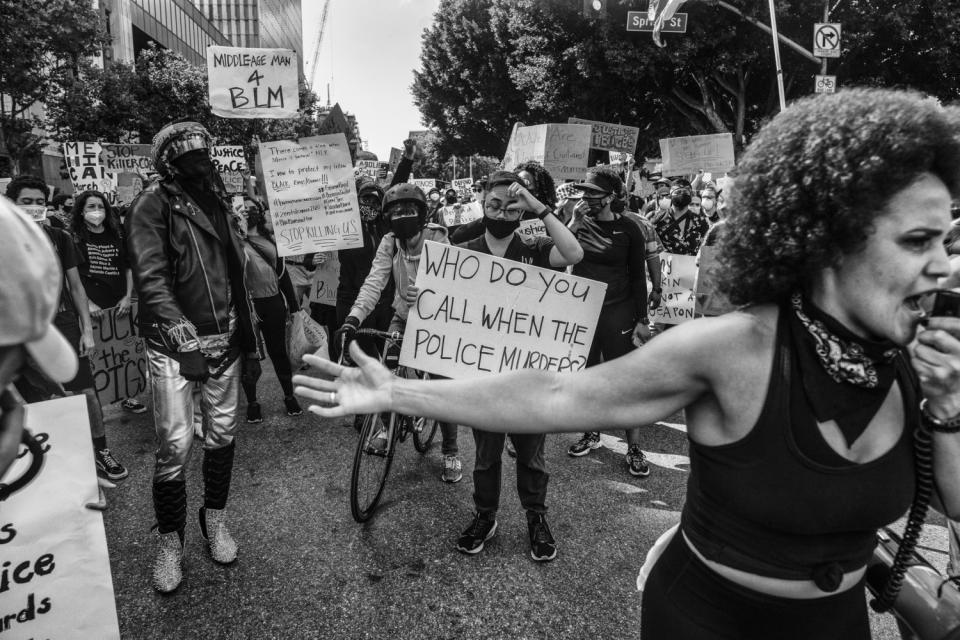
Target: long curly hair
<point x="544" y="189"/>
<point x="813" y="180"/>
<point x="78" y="227"/>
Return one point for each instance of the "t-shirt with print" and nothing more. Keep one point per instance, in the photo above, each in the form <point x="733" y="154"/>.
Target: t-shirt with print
<point x="69" y="258"/>
<point x="683" y="235"/>
<point x="103" y="270"/>
<point x="535" y="251"/>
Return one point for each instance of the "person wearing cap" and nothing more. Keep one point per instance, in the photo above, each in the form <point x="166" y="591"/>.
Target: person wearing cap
<point x="31" y="282"/>
<point x="72" y="320"/>
<point x="197" y="320"/>
<point x="708" y="204"/>
<point x="614" y="252"/>
<point x="680" y="230"/>
<point x="660" y="200"/>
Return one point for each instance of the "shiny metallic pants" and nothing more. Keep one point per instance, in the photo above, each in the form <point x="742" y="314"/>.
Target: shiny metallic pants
<point x="174" y="399"/>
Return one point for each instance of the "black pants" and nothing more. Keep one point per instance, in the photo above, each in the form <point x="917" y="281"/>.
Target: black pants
<point x="532" y="476"/>
<point x="614" y="335"/>
<point x="272" y="312"/>
<point x="686" y="600"/>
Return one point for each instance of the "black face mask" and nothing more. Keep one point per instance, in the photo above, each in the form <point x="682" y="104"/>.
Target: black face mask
<point x="405" y="228"/>
<point x="254" y="219"/>
<point x="500" y="228"/>
<point x="451" y="199"/>
<point x="681" y="200"/>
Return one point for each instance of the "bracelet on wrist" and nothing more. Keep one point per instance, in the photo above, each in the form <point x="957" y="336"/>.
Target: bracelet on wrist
<point x="543" y="213"/>
<point x="933" y="423"/>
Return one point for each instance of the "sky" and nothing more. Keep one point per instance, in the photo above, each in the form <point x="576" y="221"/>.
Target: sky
<point x="369" y="51"/>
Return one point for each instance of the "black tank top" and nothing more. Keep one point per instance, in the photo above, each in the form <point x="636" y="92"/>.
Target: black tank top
<point x="764" y="505"/>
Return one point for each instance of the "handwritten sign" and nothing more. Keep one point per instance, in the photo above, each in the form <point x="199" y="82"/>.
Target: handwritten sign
<point x="127" y="158"/>
<point x="395" y="156"/>
<point x="562" y="149"/>
<point x="530" y="229"/>
<point x="118" y="358"/>
<point x="86" y="170"/>
<point x="424" y="183"/>
<point x="677" y="275"/>
<point x="373" y="168"/>
<point x="458" y="214"/>
<point x="55" y="577"/>
<point x="464" y="187"/>
<point x="477" y="314"/>
<point x="690" y="154"/>
<point x="709" y="300"/>
<point x="326" y="279"/>
<point x="610" y="137"/>
<point x="312" y="194"/>
<point x="231" y="163"/>
<point x="252" y="83"/>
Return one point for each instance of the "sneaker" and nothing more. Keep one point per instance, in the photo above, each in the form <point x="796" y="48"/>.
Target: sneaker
<point x="253" y="412"/>
<point x="451" y="469"/>
<point x="133" y="406"/>
<point x="542" y="546"/>
<point x="583" y="446"/>
<point x="638" y="462"/>
<point x="480" y="530"/>
<point x="109" y="466"/>
<point x="293" y="407"/>
<point x="511" y="450"/>
<point x="377" y="444"/>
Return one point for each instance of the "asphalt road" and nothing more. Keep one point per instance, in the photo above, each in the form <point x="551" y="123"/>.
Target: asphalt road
<point x="307" y="570"/>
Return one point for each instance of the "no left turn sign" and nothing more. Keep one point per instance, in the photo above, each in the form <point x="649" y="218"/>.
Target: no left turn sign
<point x="826" y="40"/>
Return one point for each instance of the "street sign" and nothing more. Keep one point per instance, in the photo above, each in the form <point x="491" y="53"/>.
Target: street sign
<point x="637" y="21"/>
<point x="825" y="84"/>
<point x="826" y="39"/>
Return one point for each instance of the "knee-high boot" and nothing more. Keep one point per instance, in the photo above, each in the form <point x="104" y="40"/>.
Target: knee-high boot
<point x="217" y="470"/>
<point x="170" y="507"/>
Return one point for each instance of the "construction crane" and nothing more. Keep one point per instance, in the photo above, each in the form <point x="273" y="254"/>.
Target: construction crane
<point x="316" y="51"/>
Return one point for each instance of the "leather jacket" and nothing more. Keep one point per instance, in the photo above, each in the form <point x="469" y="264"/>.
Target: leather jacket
<point x="186" y="279"/>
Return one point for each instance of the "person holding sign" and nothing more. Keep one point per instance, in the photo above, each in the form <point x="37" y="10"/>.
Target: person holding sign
<point x="397" y="260"/>
<point x="615" y="252"/>
<point x="197" y="320"/>
<point x="505" y="201"/>
<point x="815" y="414"/>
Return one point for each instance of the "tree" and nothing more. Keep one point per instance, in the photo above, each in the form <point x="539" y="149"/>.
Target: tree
<point x="41" y="40"/>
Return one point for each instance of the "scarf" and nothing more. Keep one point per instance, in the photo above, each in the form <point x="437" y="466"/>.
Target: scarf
<point x="846" y="378"/>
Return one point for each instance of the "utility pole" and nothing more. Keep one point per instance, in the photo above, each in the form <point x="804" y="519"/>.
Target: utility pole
<point x="776" y="55"/>
<point x="826" y="18"/>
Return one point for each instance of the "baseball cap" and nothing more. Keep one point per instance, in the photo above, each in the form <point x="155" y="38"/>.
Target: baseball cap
<point x="600" y="183"/>
<point x="30" y="281"/>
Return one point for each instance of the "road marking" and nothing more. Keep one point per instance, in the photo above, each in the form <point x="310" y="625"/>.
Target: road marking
<point x="682" y="428"/>
<point x="665" y="460"/>
<point x="623" y="487"/>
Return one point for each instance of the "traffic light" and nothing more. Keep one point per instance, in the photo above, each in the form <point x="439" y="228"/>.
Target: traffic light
<point x="594" y="8"/>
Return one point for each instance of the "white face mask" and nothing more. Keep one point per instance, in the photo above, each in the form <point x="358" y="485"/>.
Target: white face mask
<point x="94" y="218"/>
<point x="37" y="212"/>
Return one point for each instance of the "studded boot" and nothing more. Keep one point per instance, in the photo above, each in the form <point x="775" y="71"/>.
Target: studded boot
<point x="170" y="506"/>
<point x="217" y="470"/>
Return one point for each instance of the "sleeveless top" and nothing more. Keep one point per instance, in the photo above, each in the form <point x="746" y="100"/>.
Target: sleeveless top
<point x="762" y="504"/>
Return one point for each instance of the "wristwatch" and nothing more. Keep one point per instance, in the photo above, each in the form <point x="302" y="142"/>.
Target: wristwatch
<point x="950" y="425"/>
<point x="543" y="213"/>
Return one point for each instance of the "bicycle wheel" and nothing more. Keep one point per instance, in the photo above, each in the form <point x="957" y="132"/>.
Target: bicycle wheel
<point x="370" y="467"/>
<point x="424" y="428"/>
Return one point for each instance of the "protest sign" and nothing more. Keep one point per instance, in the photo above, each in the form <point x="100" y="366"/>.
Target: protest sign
<point x="478" y="314"/>
<point x="457" y="214"/>
<point x="86" y="170"/>
<point x="128" y="186"/>
<point x="118" y="359"/>
<point x="335" y="122"/>
<point x="464" y="187"/>
<point x="424" y="183"/>
<point x="677" y="275"/>
<point x="419" y="136"/>
<point x="312" y="194"/>
<point x="231" y="164"/>
<point x="373" y="169"/>
<point x="610" y="137"/>
<point x="326" y="279"/>
<point x="55" y="577"/>
<point x="530" y="229"/>
<point x="690" y="154"/>
<point x="127" y="158"/>
<point x="562" y="149"/>
<point x="395" y="156"/>
<point x="709" y="300"/>
<point x="252" y="83"/>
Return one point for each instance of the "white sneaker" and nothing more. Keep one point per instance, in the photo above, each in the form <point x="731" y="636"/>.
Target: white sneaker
<point x="451" y="469"/>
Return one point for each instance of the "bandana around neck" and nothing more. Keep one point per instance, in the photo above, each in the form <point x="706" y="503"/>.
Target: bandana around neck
<point x="846" y="378"/>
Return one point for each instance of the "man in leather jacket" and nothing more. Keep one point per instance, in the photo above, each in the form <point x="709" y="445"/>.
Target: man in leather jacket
<point x="196" y="319"/>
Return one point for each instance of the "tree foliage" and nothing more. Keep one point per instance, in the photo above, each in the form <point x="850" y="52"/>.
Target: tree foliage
<point x="490" y="63"/>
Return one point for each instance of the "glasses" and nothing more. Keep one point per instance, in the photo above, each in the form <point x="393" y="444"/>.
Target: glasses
<point x="495" y="207"/>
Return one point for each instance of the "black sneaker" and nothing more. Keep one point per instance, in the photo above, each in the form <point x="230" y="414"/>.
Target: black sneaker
<point x="253" y="412"/>
<point x="480" y="530"/>
<point x="293" y="407"/>
<point x="637" y="461"/>
<point x="542" y="546"/>
<point x="583" y="446"/>
<point x="109" y="467"/>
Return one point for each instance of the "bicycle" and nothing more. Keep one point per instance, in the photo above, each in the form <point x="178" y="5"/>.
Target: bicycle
<point x="371" y="464"/>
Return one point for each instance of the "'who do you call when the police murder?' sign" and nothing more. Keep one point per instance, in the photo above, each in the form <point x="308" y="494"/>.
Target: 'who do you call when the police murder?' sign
<point x="477" y="314"/>
<point x="55" y="580"/>
<point x="312" y="194"/>
<point x="252" y="83"/>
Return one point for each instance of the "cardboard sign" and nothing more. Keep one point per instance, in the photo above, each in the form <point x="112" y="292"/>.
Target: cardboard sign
<point x="532" y="229"/>
<point x="118" y="359"/>
<point x="690" y="154"/>
<point x="464" y="187"/>
<point x="335" y="122"/>
<point x="457" y="214"/>
<point x="326" y="279"/>
<point x="419" y="136"/>
<point x="231" y="163"/>
<point x="610" y="137"/>
<point x="128" y="186"/>
<point x="373" y="168"/>
<point x="395" y="156"/>
<point x="677" y="275"/>
<point x="87" y="172"/>
<point x="562" y="149"/>
<point x="55" y="577"/>
<point x="709" y="300"/>
<point x="252" y="83"/>
<point x="424" y="183"/>
<point x="127" y="158"/>
<point x="312" y="194"/>
<point x="477" y="314"/>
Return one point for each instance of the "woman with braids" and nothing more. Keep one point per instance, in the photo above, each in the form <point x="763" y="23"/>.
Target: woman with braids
<point x="802" y="406"/>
